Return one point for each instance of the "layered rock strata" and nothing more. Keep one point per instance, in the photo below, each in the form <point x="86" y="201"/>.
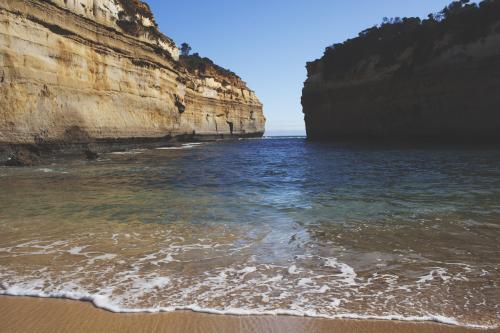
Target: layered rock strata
<point x="77" y="71"/>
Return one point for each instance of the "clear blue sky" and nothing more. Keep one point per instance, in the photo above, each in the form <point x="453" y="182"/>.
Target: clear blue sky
<point x="268" y="42"/>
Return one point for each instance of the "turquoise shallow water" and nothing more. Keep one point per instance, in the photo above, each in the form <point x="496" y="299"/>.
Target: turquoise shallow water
<point x="277" y="225"/>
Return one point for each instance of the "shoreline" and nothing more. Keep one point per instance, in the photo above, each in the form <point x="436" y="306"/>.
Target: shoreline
<point x="32" y="314"/>
<point x="38" y="153"/>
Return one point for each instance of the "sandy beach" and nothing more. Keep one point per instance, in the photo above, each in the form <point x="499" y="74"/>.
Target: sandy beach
<point x="36" y="315"/>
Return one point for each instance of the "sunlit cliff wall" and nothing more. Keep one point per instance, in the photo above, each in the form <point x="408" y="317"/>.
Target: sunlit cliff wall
<point x="76" y="70"/>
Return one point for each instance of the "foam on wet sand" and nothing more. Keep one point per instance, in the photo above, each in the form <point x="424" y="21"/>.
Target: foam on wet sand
<point x="18" y="314"/>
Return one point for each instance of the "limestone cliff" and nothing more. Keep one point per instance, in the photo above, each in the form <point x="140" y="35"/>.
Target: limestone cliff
<point x="435" y="79"/>
<point x="97" y="70"/>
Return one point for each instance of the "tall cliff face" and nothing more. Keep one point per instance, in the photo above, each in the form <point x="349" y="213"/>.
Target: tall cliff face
<point x="436" y="79"/>
<point x="78" y="70"/>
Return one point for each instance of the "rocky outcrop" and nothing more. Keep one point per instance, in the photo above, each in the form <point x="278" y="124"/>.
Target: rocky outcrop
<point x="23" y="156"/>
<point x="436" y="79"/>
<point x="99" y="70"/>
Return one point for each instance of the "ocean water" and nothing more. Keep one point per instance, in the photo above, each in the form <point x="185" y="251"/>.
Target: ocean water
<point x="263" y="226"/>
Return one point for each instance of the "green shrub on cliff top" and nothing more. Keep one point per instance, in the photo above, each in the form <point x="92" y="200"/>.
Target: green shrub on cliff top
<point x="460" y="22"/>
<point x="206" y="67"/>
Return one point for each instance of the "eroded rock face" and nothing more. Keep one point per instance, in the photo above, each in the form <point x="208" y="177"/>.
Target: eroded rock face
<point x="434" y="80"/>
<point x="85" y="70"/>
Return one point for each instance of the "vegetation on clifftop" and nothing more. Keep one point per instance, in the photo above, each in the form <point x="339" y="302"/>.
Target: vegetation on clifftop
<point x="195" y="64"/>
<point x="204" y="67"/>
<point x="459" y="23"/>
<point x="129" y="20"/>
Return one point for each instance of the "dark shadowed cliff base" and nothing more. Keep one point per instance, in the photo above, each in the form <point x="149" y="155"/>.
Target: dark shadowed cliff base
<point x="49" y="315"/>
<point x="432" y="80"/>
<point x="46" y="152"/>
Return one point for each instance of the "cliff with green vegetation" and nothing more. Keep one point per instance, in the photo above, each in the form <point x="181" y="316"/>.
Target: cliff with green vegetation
<point x="96" y="71"/>
<point x="435" y="79"/>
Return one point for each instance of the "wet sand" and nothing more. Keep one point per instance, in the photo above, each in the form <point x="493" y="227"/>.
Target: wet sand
<point x="36" y="315"/>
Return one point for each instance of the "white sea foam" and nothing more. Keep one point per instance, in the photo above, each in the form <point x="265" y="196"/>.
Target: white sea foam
<point x="105" y="256"/>
<point x="181" y="147"/>
<point x="292" y="269"/>
<point x="323" y="289"/>
<point x="283" y="137"/>
<point x="167" y="259"/>
<point x="105" y="303"/>
<point x="335" y="303"/>
<point x="304" y="282"/>
<point x="247" y="270"/>
<point x="222" y="283"/>
<point x="129" y="152"/>
<point x="150" y="281"/>
<point x="76" y="250"/>
<point x="439" y="272"/>
<point x="49" y="170"/>
<point x="147" y="285"/>
<point x="347" y="273"/>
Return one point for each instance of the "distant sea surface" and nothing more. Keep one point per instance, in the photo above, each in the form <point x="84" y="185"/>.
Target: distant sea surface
<point x="262" y="226"/>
